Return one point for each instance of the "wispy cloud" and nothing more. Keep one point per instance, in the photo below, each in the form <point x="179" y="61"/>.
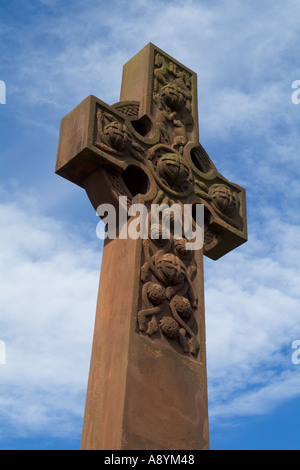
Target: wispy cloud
<point x="75" y="49"/>
<point x="243" y="60"/>
<point x="48" y="298"/>
<point x="252" y="311"/>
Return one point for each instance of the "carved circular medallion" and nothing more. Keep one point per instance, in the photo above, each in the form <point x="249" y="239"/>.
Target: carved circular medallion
<point x="169" y="327"/>
<point x="183" y="307"/>
<point x="173" y="169"/>
<point x="170" y="170"/>
<point x="156" y="293"/>
<point x="224" y="199"/>
<point x="117" y="136"/>
<point x="171" y="268"/>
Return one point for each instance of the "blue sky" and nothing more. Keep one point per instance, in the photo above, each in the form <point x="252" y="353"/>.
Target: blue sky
<point x="54" y="53"/>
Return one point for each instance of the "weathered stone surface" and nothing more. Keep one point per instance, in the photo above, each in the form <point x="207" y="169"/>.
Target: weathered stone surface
<point x="147" y="384"/>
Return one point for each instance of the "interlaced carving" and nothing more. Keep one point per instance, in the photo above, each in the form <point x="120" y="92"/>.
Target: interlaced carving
<point x="168" y="297"/>
<point x="161" y="143"/>
<point x="172" y="99"/>
<point x="182" y="171"/>
<point x="130" y="109"/>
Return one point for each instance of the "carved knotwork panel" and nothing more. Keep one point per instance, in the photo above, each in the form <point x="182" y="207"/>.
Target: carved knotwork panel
<point x="113" y="136"/>
<point x="169" y="307"/>
<point x="172" y="102"/>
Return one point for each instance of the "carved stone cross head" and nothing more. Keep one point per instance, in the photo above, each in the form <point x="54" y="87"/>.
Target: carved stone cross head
<point x="147" y="145"/>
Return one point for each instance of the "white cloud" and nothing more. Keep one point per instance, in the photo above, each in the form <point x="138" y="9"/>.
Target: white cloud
<point x="262" y="400"/>
<point x="252" y="310"/>
<point x="49" y="282"/>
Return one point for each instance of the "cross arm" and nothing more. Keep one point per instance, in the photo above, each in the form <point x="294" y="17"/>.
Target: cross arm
<point x="91" y="135"/>
<point x="102" y="149"/>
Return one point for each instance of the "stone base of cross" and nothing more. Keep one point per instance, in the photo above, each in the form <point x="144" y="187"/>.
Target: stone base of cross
<point x="147" y="385"/>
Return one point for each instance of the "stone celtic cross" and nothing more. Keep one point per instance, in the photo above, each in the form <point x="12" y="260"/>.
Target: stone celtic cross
<point x="147" y="385"/>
